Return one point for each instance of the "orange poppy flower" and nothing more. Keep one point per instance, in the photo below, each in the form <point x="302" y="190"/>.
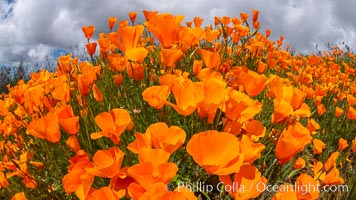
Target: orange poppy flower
<point x="155" y="191"/>
<point x="333" y="177"/>
<point x="136" y="54"/>
<point x="292" y="141"/>
<point x="211" y="35"/>
<point x="123" y="23"/>
<point x="166" y="138"/>
<point x="255" y="15"/>
<point x="3" y="181"/>
<point x="91" y="47"/>
<point x="354" y="145"/>
<point x="19" y="196"/>
<point x="188" y="95"/>
<point x="132" y="16"/>
<point x="247" y="177"/>
<point x="107" y="163"/>
<point x="156" y="96"/>
<point x="46" y="127"/>
<point x="351" y="113"/>
<point x="121" y="182"/>
<point x="97" y="93"/>
<point x="211" y="59"/>
<point x="253" y="82"/>
<point x="318" y="146"/>
<point x="105" y="193"/>
<point x="231" y="126"/>
<point x="67" y="120"/>
<point x="141" y="141"/>
<point x="149" y="14"/>
<point x="111" y="22"/>
<point x="343" y="144"/>
<point x="154" y="156"/>
<point x="255" y="129"/>
<point x="165" y="27"/>
<point x="104" y="44"/>
<point x="135" y="71"/>
<point x="299" y="163"/>
<point x="169" y="57"/>
<point x="338" y="111"/>
<point x="117" y="62"/>
<point x="251" y="151"/>
<point x="225" y="158"/>
<point x="88" y="31"/>
<point x="148" y="173"/>
<point x="127" y="37"/>
<point x="83" y="85"/>
<point x="240" y="107"/>
<point x="197" y="66"/>
<point x="331" y="161"/>
<point x="118" y="79"/>
<point x="112" y="124"/>
<point x="309" y="192"/>
<point x="78" y="180"/>
<point x="285" y="191"/>
<point x="289" y="102"/>
<point x="312" y="125"/>
<point x="197" y="21"/>
<point x="72" y="143"/>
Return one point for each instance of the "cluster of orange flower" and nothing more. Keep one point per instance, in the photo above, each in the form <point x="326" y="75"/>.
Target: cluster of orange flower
<point x="227" y="74"/>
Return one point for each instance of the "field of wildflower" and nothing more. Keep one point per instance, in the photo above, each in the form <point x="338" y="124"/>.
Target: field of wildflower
<point x="166" y="110"/>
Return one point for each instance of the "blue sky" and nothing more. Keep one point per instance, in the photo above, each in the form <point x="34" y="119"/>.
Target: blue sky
<point x="30" y="30"/>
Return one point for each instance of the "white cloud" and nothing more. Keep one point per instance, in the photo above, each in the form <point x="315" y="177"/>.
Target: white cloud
<point x="35" y="26"/>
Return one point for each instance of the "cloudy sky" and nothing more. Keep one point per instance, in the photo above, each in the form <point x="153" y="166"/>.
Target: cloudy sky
<point x="31" y="29"/>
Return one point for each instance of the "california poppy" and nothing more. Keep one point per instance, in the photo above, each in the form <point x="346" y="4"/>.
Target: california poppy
<point x="149" y="14"/>
<point x="147" y="173"/>
<point x="253" y="82"/>
<point x="127" y="37"/>
<point x="251" y="151"/>
<point x="67" y="120"/>
<point x="247" y="177"/>
<point x="136" y="54"/>
<point x="105" y="193"/>
<point x="318" y="146"/>
<point x="165" y="28"/>
<point x="310" y="192"/>
<point x="299" y="163"/>
<point x="211" y="59"/>
<point x="78" y="180"/>
<point x="112" y="124"/>
<point x="333" y="177"/>
<point x="169" y="57"/>
<point x="285" y="191"/>
<point x="97" y="93"/>
<point x="88" y="31"/>
<point x="111" y="22"/>
<point x="91" y="47"/>
<point x="46" y="127"/>
<point x="292" y="141"/>
<point x="331" y="161"/>
<point x="141" y="141"/>
<point x="107" y="163"/>
<point x="132" y="16"/>
<point x="188" y="95"/>
<point x="166" y="138"/>
<point x="72" y="143"/>
<point x="156" y="96"/>
<point x="343" y="144"/>
<point x="197" y="21"/>
<point x="19" y="196"/>
<point x="225" y="158"/>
